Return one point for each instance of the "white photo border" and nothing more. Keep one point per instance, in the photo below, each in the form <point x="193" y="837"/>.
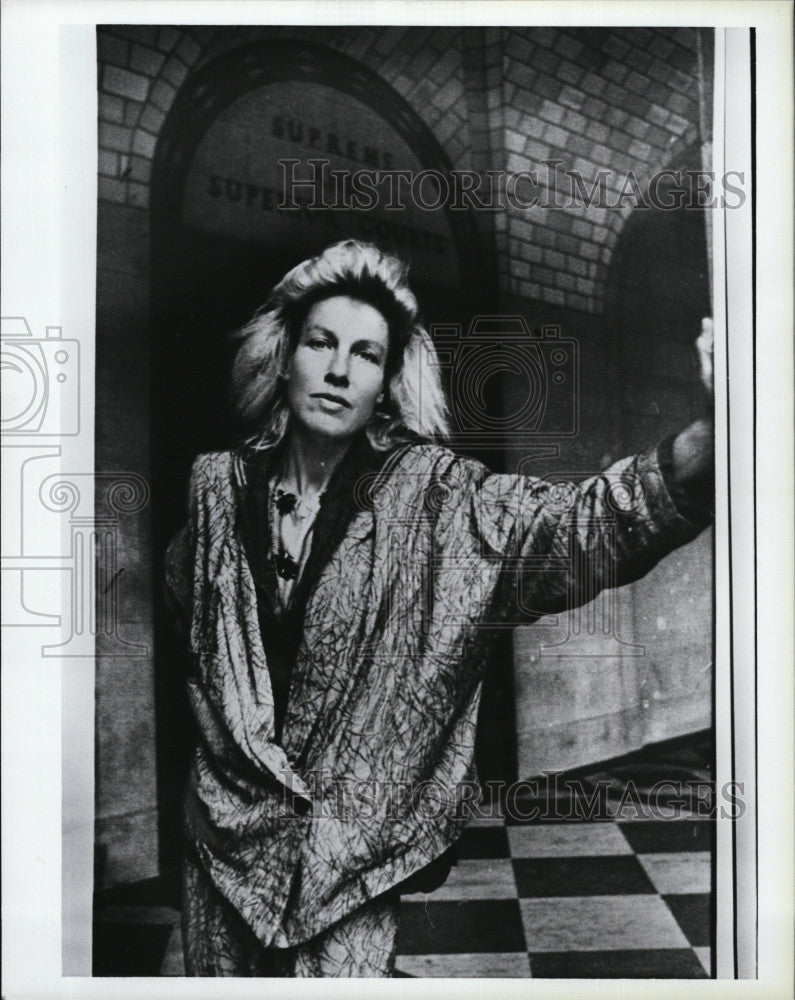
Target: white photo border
<point x="49" y="248"/>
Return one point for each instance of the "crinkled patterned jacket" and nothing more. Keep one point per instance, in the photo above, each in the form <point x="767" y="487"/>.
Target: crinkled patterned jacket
<point x="384" y="694"/>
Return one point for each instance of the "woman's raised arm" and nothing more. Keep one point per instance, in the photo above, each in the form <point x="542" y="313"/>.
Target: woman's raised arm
<point x="563" y="542"/>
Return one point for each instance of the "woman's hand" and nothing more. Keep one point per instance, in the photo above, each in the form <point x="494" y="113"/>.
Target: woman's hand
<point x="693" y="455"/>
<point x="704" y="345"/>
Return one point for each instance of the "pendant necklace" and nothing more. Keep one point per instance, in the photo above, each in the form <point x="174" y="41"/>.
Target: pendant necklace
<point x="292" y="518"/>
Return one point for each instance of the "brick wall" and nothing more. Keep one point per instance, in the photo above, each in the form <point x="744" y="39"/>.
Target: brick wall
<point x="597" y="100"/>
<point x="141" y="69"/>
<point x="614" y="100"/>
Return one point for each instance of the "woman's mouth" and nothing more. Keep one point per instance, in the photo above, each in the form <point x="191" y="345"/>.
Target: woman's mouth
<point x="332" y="401"/>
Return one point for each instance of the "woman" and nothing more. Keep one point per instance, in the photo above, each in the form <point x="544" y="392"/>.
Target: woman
<point x="335" y="573"/>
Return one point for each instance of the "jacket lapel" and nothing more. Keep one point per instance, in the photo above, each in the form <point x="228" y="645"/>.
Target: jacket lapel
<point x="320" y="684"/>
<point x="310" y="694"/>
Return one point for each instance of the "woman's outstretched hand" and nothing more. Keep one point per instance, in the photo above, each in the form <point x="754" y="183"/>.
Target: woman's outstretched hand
<point x="705" y="345"/>
<point x="693" y="448"/>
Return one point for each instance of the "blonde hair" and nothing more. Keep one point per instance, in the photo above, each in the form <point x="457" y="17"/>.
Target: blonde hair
<point x="414" y="403"/>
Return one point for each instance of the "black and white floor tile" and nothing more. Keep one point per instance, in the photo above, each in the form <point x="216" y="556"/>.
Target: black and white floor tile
<point x="568" y="900"/>
<point x="588" y="899"/>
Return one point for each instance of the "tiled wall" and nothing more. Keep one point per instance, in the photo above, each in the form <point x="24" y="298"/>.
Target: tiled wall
<point x="596" y="99"/>
<point x="593" y="99"/>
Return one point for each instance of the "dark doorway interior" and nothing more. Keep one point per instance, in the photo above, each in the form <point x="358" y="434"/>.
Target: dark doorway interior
<point x="657" y="292"/>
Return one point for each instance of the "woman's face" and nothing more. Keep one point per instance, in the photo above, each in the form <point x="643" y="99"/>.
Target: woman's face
<point x="336" y="374"/>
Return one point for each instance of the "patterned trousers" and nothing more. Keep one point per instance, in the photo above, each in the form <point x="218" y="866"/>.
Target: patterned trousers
<point x="218" y="942"/>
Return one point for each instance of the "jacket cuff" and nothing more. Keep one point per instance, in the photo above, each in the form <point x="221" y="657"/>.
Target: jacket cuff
<point x="694" y="500"/>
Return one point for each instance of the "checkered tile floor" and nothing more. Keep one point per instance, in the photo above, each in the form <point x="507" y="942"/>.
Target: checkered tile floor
<point x="551" y="900"/>
<point x="589" y="899"/>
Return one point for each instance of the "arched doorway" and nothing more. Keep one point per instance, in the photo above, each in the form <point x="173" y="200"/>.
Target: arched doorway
<point x="219" y="243"/>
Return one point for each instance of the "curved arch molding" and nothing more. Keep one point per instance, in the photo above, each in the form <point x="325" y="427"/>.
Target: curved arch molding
<point x="280" y="100"/>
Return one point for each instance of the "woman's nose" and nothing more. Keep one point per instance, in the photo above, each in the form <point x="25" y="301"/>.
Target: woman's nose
<point x="337" y="373"/>
<point x="340" y="380"/>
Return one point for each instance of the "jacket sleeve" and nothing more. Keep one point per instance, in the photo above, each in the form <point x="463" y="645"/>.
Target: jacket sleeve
<point x="563" y="542"/>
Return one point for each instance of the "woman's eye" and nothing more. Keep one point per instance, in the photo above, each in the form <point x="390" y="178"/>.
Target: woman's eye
<point x="317" y="342"/>
<point x="369" y="356"/>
